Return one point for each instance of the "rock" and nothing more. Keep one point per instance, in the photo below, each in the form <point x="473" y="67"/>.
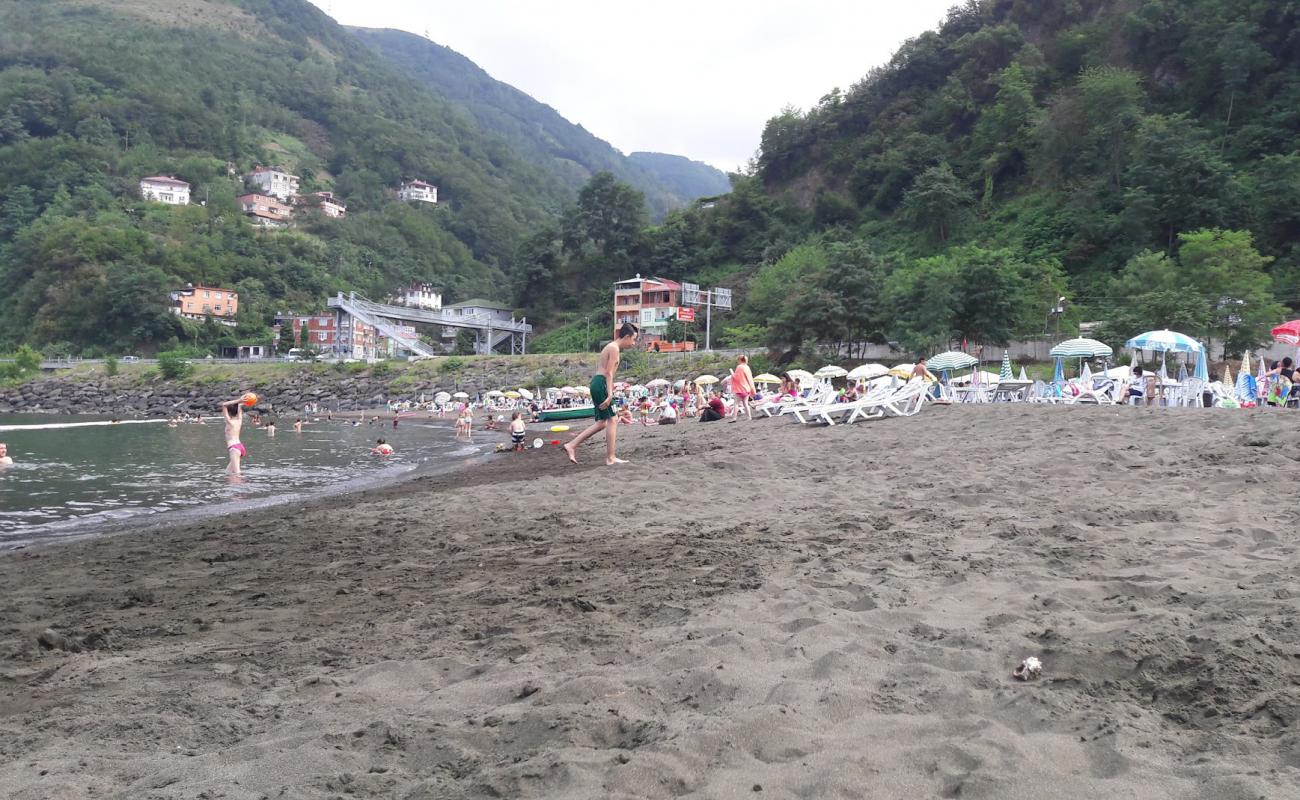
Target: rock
<point x="51" y="639"/>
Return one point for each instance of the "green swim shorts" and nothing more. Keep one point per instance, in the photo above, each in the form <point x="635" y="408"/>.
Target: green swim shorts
<point x="599" y="394"/>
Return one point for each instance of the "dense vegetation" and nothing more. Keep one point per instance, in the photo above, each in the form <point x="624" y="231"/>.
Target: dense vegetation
<point x="537" y="132"/>
<point x="1140" y="158"/>
<point x="95" y="95"/>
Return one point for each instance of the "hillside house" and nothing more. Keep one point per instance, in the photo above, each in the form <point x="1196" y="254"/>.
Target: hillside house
<point x="420" y="295"/>
<point x="265" y="210"/>
<point x="418" y="192"/>
<point x="206" y="302"/>
<point x="165" y="189"/>
<point x="649" y="303"/>
<point x="322" y="202"/>
<point x="274" y="181"/>
<point x="311" y="330"/>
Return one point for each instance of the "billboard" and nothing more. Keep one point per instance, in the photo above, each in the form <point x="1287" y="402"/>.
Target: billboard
<point x="686" y="314"/>
<point x="722" y="298"/>
<point x="690" y="294"/>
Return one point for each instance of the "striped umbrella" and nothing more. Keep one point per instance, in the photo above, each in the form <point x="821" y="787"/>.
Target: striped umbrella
<point x="953" y="359"/>
<point x="1288" y="332"/>
<point x="1023" y="377"/>
<point x="1165" y="341"/>
<point x="1226" y="380"/>
<point x="1004" y="374"/>
<point x="1080" y="348"/>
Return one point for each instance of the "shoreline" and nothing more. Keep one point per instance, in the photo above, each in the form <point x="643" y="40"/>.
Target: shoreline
<point x="815" y="611"/>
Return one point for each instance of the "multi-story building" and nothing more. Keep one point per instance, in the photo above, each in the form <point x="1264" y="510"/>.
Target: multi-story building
<point x="265" y="210"/>
<point x="324" y="202"/>
<point x="418" y="192"/>
<point x="274" y="181"/>
<point x="206" y="302"/>
<point x="165" y="189"/>
<point x="420" y="295"/>
<point x="356" y="339"/>
<point x="311" y="330"/>
<point x="649" y="303"/>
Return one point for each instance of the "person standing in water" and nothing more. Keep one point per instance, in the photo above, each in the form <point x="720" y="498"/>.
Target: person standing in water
<point x="602" y="396"/>
<point x="5" y="460"/>
<point x="234" y="417"/>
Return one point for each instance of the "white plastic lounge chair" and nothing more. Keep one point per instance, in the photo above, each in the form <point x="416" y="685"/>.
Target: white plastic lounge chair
<point x="819" y="396"/>
<point x="828" y="411"/>
<point x="905" y="401"/>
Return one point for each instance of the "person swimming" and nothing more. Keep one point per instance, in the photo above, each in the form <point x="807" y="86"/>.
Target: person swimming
<point x="5" y="459"/>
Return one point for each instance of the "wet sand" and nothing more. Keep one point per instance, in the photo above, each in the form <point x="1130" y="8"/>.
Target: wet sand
<point x="745" y="610"/>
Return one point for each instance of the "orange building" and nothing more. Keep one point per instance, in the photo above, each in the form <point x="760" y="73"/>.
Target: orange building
<point x="200" y="302"/>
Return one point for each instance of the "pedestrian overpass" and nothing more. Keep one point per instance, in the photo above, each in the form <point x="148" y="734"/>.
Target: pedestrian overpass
<point x="490" y="333"/>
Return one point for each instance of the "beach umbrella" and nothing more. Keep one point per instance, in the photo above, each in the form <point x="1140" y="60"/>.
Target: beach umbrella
<point x="766" y="377"/>
<point x="460" y="396"/>
<point x="706" y="380"/>
<point x="441" y="397"/>
<point x="830" y="371"/>
<point x="513" y="395"/>
<point x="524" y="393"/>
<point x="494" y="394"/>
<point x="803" y="376"/>
<point x="1059" y="375"/>
<point x="1288" y="332"/>
<point x="1085" y="377"/>
<point x="977" y="378"/>
<point x="1023" y="377"/>
<point x="1202" y="367"/>
<point x="866" y="372"/>
<point x="1081" y="348"/>
<point x="1004" y="374"/>
<point x="1182" y="373"/>
<point x="568" y="390"/>
<point x="903" y="371"/>
<point x="1226" y="380"/>
<point x="1245" y="388"/>
<point x="679" y="384"/>
<point x="1164" y="341"/>
<point x="953" y="359"/>
<point x="582" y="390"/>
<point x="657" y="383"/>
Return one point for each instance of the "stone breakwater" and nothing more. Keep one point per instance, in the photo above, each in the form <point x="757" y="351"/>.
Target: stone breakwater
<point x="287" y="390"/>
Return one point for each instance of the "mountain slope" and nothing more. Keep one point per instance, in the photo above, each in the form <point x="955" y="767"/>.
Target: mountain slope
<point x="537" y="131"/>
<point x="95" y="94"/>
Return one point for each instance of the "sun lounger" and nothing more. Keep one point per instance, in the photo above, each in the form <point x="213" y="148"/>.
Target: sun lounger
<point x="819" y="396"/>
<point x="828" y="411"/>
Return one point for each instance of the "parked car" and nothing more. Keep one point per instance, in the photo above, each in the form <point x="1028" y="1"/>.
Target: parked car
<point x="129" y="358"/>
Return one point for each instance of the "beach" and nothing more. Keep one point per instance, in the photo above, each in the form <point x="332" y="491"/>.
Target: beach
<point x="745" y="610"/>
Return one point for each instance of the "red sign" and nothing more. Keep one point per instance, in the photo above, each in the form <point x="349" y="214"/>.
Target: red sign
<point x="686" y="314"/>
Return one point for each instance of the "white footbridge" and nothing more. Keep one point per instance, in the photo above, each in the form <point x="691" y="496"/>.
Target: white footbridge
<point x="490" y="333"/>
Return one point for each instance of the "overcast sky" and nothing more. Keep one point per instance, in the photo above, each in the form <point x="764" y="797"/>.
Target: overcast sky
<point x="697" y="78"/>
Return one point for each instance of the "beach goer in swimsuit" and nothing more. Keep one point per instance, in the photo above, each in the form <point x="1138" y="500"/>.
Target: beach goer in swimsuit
<point x="297" y="426"/>
<point x="742" y="386"/>
<point x="5" y="460"/>
<point x="381" y="448"/>
<point x="270" y="428"/>
<point x="234" y="417"/>
<point x="602" y="396"/>
<point x="517" y="430"/>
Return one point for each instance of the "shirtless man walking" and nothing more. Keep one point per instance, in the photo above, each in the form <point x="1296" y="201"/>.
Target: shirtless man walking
<point x="234" y="418"/>
<point x="602" y="396"/>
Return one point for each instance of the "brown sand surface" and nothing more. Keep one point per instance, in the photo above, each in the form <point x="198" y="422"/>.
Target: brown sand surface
<point x="744" y="610"/>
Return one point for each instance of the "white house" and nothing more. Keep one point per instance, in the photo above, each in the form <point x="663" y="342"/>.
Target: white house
<point x="165" y="189"/>
<point x="274" y="181"/>
<point x="418" y="192"/>
<point x="420" y="295"/>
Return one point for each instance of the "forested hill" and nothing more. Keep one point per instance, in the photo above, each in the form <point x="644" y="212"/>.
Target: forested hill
<point x="1074" y="133"/>
<point x="538" y="132"/>
<point x="1139" y="157"/>
<point x="95" y="95"/>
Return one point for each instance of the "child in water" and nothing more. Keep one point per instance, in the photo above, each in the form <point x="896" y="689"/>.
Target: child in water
<point x="381" y="448"/>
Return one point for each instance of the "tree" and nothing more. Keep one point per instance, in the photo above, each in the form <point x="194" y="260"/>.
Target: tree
<point x="938" y="203"/>
<point x="1228" y="273"/>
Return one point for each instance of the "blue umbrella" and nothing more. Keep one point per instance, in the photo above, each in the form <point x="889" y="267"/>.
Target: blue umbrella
<point x="1202" y="368"/>
<point x="1165" y="341"/>
<point x="1059" y="377"/>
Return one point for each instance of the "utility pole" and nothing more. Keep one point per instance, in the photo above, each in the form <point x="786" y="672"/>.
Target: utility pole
<point x="586" y="343"/>
<point x="708" y="319"/>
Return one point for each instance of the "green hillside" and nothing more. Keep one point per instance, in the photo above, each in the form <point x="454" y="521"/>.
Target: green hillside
<point x="537" y="132"/>
<point x="1139" y="157"/>
<point x="95" y="95"/>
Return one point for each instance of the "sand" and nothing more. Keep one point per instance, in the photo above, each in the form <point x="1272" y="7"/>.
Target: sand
<point x="745" y="610"/>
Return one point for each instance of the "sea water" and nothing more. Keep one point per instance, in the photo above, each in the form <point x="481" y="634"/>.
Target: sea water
<point x="71" y="479"/>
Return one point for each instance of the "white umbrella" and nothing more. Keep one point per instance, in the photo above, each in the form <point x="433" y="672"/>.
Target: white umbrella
<point x="1080" y="348"/>
<point x="492" y="395"/>
<point x="706" y="380"/>
<point x="986" y="378"/>
<point x="460" y="396"/>
<point x="441" y="397"/>
<point x="657" y="383"/>
<point x="524" y="393"/>
<point x="831" y="371"/>
<point x="801" y="375"/>
<point x="866" y="372"/>
<point x="951" y="360"/>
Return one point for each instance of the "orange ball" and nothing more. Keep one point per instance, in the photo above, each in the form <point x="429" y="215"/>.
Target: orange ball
<point x="250" y="399"/>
